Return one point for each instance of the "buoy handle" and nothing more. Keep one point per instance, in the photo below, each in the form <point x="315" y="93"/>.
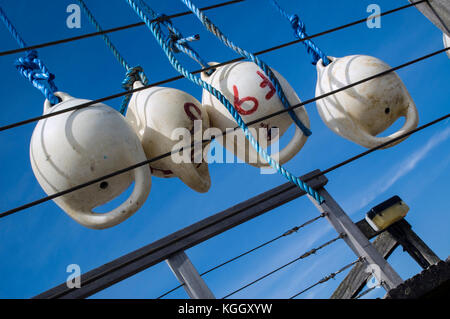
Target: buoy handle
<point x="142" y="185"/>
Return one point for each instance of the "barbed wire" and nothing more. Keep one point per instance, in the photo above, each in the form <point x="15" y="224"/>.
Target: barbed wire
<point x="305" y="255"/>
<point x="179" y="77"/>
<point x="128" y="26"/>
<point x="327" y="278"/>
<point x="285" y="234"/>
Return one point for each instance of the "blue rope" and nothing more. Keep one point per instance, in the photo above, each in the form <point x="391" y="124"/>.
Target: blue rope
<point x="300" y="32"/>
<point x="156" y="30"/>
<point x="176" y="40"/>
<point x="132" y="73"/>
<point x="31" y="67"/>
<point x="214" y="30"/>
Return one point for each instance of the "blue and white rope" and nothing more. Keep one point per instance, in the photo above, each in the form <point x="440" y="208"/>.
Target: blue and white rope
<point x="176" y="41"/>
<point x="31" y="67"/>
<point x="300" y="32"/>
<point x="266" y="69"/>
<point x="156" y="30"/>
<point x="132" y="73"/>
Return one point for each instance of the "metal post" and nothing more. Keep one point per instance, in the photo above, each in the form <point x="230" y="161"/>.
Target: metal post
<point x="357" y="241"/>
<point x="184" y="270"/>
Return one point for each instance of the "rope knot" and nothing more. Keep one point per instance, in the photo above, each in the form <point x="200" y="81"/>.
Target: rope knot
<point x="176" y="41"/>
<point x="133" y="74"/>
<point x="32" y="68"/>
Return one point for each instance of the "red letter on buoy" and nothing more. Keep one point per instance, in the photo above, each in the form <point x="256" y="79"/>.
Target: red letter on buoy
<point x="238" y="102"/>
<point x="266" y="82"/>
<point x="190" y="114"/>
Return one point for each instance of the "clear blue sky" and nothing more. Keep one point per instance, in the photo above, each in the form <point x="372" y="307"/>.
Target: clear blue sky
<point x="38" y="244"/>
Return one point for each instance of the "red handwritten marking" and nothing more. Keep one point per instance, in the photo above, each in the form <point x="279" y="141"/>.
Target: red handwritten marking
<point x="238" y="102"/>
<point x="266" y="82"/>
<point x="165" y="172"/>
<point x="190" y="114"/>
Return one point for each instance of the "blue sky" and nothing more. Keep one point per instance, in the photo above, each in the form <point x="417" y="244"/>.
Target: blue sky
<point x="39" y="243"/>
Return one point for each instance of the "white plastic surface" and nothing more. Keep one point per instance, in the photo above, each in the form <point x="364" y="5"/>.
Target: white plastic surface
<point x="155" y="113"/>
<point x="363" y="111"/>
<point x="78" y="146"/>
<point x="252" y="94"/>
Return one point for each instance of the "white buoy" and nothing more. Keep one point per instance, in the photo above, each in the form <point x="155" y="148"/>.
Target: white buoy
<point x="78" y="146"/>
<point x="155" y="113"/>
<point x="363" y="111"/>
<point x="446" y="40"/>
<point x="252" y="94"/>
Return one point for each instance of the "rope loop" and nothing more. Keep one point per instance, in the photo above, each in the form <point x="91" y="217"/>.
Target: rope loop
<point x="133" y="74"/>
<point x="157" y="33"/>
<point x="33" y="69"/>
<point x="175" y="40"/>
<point x="300" y="32"/>
<point x="211" y="27"/>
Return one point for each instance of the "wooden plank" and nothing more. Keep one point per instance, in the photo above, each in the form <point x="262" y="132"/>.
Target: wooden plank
<point x="366" y="229"/>
<point x="188" y="276"/>
<point x="158" y="251"/>
<point x="413" y="244"/>
<point x="437" y="11"/>
<point x="357" y="278"/>
<point x="356" y="240"/>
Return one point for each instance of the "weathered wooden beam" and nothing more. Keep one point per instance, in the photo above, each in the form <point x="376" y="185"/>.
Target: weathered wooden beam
<point x="357" y="278"/>
<point x="412" y="244"/>
<point x="158" y="251"/>
<point x="356" y="240"/>
<point x="366" y="229"/>
<point x="437" y="11"/>
<point x="188" y="276"/>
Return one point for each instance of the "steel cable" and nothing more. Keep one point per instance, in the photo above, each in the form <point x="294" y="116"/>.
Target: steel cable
<point x="100" y="179"/>
<point x="285" y="234"/>
<point x="305" y="255"/>
<point x="327" y="278"/>
<point x="128" y="26"/>
<point x="121" y="94"/>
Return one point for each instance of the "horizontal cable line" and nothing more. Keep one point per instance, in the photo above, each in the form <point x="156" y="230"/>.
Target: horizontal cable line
<point x="305" y="255"/>
<point x="179" y="77"/>
<point x="285" y="234"/>
<point x="325" y="279"/>
<point x="129" y="26"/>
<point x="100" y="179"/>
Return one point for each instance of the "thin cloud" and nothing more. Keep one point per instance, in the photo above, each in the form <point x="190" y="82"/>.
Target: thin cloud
<point x="404" y="167"/>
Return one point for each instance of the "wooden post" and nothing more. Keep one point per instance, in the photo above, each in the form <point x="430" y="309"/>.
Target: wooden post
<point x="184" y="270"/>
<point x="437" y="11"/>
<point x="126" y="266"/>
<point x="412" y="244"/>
<point x="357" y="278"/>
<point x="357" y="241"/>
